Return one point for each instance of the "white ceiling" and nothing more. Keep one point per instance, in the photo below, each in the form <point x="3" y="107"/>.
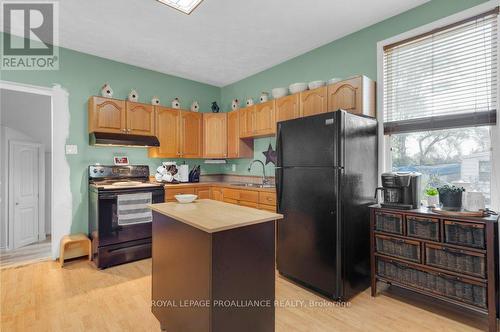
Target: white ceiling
<point x="222" y="41"/>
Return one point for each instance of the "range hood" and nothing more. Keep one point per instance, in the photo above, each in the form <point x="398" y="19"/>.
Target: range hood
<point x="106" y="139"/>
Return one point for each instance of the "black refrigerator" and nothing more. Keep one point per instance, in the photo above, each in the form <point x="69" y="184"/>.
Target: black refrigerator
<point x="326" y="175"/>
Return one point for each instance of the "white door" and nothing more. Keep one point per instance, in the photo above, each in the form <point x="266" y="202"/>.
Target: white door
<point x="24" y="184"/>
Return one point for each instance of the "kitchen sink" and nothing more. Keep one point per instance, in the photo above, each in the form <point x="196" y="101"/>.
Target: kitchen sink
<point x="253" y="185"/>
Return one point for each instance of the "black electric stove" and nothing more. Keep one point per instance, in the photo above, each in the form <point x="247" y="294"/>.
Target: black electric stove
<point x="119" y="219"/>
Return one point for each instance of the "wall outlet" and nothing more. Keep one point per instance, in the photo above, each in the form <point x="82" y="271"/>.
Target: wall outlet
<point x="71" y="149"/>
<point x="233" y="167"/>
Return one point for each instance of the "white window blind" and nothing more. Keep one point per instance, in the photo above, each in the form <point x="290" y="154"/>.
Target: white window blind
<point x="443" y="79"/>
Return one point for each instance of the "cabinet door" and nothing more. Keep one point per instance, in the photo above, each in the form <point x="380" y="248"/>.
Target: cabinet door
<point x="233" y="134"/>
<point x="106" y="115"/>
<point x="247" y="121"/>
<point x="287" y="108"/>
<point x="215" y="135"/>
<point x="313" y="101"/>
<point x="216" y="194"/>
<point x="140" y="119"/>
<point x="203" y="192"/>
<point x="237" y="147"/>
<point x="346" y="95"/>
<point x="167" y="131"/>
<point x="265" y="123"/>
<point x="191" y="134"/>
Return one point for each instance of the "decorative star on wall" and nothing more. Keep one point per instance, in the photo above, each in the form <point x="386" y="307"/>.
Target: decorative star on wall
<point x="271" y="156"/>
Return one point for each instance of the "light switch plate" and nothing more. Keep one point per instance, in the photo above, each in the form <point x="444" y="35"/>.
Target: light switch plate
<point x="233" y="167"/>
<point x="71" y="149"/>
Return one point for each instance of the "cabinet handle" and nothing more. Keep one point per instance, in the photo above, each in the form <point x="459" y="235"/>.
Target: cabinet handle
<point x="125" y="130"/>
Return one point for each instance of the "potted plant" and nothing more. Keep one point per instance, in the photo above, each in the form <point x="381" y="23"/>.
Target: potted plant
<point x="451" y="197"/>
<point x="432" y="196"/>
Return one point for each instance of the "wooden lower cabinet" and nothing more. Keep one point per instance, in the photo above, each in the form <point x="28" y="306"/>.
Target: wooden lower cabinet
<point x="216" y="193"/>
<point x="203" y="192"/>
<point x="264" y="200"/>
<point x="171" y="192"/>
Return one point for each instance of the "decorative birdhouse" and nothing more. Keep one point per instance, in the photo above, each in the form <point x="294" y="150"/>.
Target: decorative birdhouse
<point x="176" y="103"/>
<point x="106" y="91"/>
<point x="133" y="96"/>
<point x="195" y="107"/>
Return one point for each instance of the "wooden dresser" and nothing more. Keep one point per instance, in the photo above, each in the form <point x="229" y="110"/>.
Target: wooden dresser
<point x="449" y="258"/>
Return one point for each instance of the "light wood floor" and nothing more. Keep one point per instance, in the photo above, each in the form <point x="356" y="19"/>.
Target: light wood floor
<point x="35" y="252"/>
<point x="44" y="297"/>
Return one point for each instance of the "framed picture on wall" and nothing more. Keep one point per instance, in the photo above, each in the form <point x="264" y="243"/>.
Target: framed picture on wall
<point x="121" y="160"/>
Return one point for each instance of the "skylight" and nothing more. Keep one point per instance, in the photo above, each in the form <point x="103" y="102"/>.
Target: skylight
<point x="185" y="6"/>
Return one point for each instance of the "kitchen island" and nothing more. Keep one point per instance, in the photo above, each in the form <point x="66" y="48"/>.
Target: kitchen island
<point x="213" y="267"/>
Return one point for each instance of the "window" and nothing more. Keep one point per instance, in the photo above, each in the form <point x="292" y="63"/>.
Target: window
<point x="446" y="156"/>
<point x="440" y="99"/>
<point x="484" y="170"/>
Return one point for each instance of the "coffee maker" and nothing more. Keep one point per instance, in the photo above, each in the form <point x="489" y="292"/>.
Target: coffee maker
<point x="401" y="190"/>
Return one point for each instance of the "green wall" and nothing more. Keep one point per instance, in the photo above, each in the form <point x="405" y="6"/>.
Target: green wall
<point x="352" y="55"/>
<point x="82" y="75"/>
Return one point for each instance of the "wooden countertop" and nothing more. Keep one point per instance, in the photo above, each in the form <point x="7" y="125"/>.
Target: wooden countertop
<point x="213" y="216"/>
<point x="216" y="184"/>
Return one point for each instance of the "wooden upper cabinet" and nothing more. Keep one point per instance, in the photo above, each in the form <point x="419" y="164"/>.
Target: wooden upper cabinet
<point x="247" y="120"/>
<point x="287" y="108"/>
<point x="265" y="121"/>
<point x="237" y="147"/>
<point x="168" y="133"/>
<point x="214" y="135"/>
<point x="191" y="134"/>
<point x="140" y="119"/>
<point x="106" y="115"/>
<point x="355" y="95"/>
<point x="313" y="101"/>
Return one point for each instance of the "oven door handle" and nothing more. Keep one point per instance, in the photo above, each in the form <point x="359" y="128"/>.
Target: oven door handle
<point x="138" y="246"/>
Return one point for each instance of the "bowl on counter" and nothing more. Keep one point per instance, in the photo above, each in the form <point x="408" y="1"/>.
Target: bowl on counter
<point x="279" y="92"/>
<point x="186" y="198"/>
<point x="297" y="87"/>
<point x="333" y="80"/>
<point x="315" y="84"/>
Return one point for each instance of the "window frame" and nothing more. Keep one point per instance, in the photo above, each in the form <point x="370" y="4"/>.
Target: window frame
<point x="384" y="144"/>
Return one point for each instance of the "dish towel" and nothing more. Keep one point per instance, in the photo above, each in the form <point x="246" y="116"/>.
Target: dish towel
<point x="132" y="208"/>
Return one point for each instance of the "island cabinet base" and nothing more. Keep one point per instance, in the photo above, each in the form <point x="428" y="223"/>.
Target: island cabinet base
<point x="222" y="281"/>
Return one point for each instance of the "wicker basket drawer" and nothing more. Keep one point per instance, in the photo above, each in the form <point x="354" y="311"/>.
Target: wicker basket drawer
<point x="389" y="222"/>
<point x="390" y="246"/>
<point x="464" y="233"/>
<point x="458" y="260"/>
<point x="422" y="228"/>
<point x="453" y="287"/>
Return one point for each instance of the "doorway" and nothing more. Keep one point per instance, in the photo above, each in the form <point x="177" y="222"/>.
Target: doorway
<point x="26" y="171"/>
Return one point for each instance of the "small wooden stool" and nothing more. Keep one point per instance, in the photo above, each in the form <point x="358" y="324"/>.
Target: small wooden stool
<point x="74" y="245"/>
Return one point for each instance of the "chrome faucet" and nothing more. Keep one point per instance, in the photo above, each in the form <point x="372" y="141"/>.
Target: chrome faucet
<point x="265" y="180"/>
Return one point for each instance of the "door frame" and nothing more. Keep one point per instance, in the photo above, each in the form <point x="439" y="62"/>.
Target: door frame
<point x="62" y="212"/>
<point x="41" y="191"/>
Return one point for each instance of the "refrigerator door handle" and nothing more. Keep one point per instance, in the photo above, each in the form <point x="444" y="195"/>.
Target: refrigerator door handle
<point x="279" y="188"/>
<point x="279" y="147"/>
